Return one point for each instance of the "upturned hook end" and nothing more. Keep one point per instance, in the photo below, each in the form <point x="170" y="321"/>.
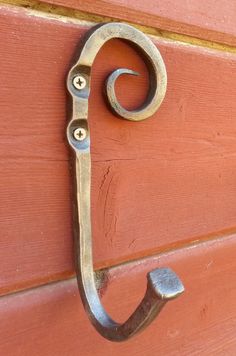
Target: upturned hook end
<point x="165" y="283"/>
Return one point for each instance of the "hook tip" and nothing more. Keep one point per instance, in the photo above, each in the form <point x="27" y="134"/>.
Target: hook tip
<point x="165" y="283"/>
<point x="120" y="71"/>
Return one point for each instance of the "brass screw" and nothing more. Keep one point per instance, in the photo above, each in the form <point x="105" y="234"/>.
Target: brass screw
<point x="79" y="82"/>
<point x="80" y="134"/>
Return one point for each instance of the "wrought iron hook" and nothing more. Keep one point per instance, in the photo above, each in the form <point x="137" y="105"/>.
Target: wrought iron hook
<point x="163" y="284"/>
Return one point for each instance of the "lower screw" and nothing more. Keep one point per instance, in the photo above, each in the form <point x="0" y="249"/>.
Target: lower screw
<point x="80" y="134"/>
<point x="79" y="82"/>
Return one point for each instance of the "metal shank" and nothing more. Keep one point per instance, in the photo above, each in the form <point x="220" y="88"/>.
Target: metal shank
<point x="163" y="284"/>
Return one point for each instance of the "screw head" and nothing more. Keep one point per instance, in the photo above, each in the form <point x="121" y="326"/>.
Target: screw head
<point x="80" y="134"/>
<point x="79" y="82"/>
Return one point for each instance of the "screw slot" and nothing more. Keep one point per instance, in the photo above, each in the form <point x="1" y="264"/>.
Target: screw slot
<point x="79" y="82"/>
<point x="80" y="134"/>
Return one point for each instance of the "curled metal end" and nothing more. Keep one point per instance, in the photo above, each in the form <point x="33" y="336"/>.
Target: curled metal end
<point x="111" y="94"/>
<point x="163" y="284"/>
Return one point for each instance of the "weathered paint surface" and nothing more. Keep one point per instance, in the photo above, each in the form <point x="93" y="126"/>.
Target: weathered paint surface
<point x="162" y="184"/>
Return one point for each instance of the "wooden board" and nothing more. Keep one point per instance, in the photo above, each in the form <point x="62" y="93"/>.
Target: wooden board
<point x="213" y="20"/>
<point x="50" y="320"/>
<point x="157" y="184"/>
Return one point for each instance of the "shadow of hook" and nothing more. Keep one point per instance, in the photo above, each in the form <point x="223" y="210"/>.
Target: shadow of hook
<point x="163" y="284"/>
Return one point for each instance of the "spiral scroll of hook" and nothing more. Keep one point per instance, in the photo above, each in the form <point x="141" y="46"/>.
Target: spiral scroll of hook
<point x="152" y="56"/>
<point x="163" y="284"/>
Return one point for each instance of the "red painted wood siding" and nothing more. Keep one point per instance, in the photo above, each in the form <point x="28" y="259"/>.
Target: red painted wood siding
<point x="167" y="180"/>
<point x="51" y="321"/>
<point x="163" y="190"/>
<point x="212" y="20"/>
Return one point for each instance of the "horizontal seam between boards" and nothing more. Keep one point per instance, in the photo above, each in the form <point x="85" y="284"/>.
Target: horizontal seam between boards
<point x="103" y="271"/>
<point x="67" y="15"/>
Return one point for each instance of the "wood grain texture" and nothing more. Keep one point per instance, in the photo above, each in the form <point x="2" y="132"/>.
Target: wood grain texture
<point x="50" y="320"/>
<point x="155" y="184"/>
<point x="212" y="20"/>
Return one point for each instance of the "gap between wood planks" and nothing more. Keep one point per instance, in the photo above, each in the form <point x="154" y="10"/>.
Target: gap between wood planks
<point x="66" y="15"/>
<point x="103" y="275"/>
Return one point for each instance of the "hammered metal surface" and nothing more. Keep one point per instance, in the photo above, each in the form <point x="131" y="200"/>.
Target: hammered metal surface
<point x="163" y="284"/>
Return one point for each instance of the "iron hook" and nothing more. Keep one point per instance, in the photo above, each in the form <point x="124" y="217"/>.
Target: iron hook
<point x="163" y="284"/>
